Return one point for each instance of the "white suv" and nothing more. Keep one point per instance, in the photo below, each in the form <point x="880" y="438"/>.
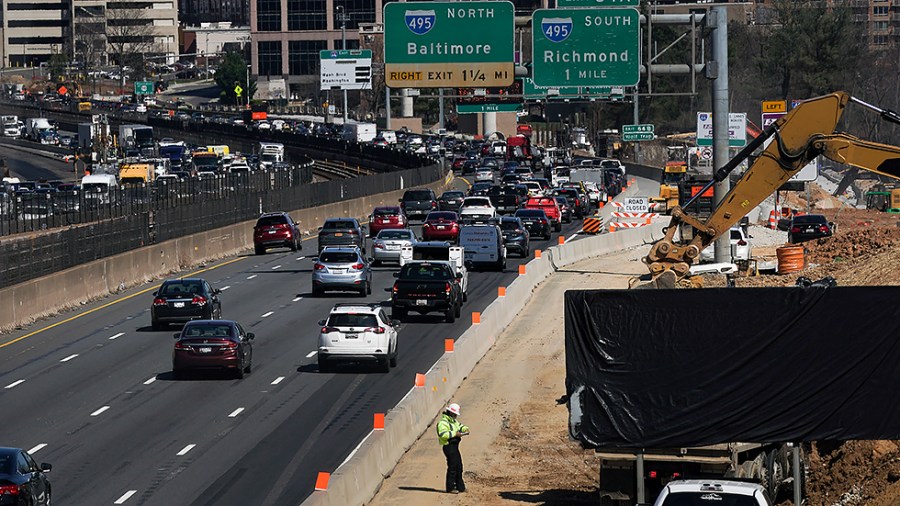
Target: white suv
<point x="358" y="333"/>
<point x="712" y="493"/>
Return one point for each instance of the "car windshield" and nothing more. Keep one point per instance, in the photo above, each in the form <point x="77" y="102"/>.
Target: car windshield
<point x="207" y="331"/>
<point x="527" y="213"/>
<point x="352" y="320"/>
<point x="339" y="225"/>
<point x="508" y="225"/>
<point x="483" y="202"/>
<point x="736" y="235"/>
<point x="452" y="195"/>
<point x="394" y="234"/>
<point x="417" y="195"/>
<point x="181" y="288"/>
<point x="268" y="221"/>
<point x="450" y="216"/>
<point x="423" y="272"/>
<point x="609" y="164"/>
<point x="338" y="257"/>
<point x="708" y="499"/>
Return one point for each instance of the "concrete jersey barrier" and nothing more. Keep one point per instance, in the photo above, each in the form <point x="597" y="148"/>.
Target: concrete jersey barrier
<point x="357" y="480"/>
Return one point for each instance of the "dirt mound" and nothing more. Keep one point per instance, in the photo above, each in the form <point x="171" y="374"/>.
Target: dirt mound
<point x="854" y="473"/>
<point x="854" y="243"/>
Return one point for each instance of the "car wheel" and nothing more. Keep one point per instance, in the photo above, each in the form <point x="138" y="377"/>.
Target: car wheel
<point x="249" y="367"/>
<point x="362" y="289"/>
<point x="458" y="310"/>
<point x="384" y="364"/>
<point x="324" y="365"/>
<point x="295" y="245"/>
<point x="465" y="296"/>
<point x="394" y="356"/>
<point x="239" y="373"/>
<point x="557" y="227"/>
<point x="368" y="288"/>
<point x="317" y="292"/>
<point x="260" y="250"/>
<point x="157" y="326"/>
<point x="398" y="313"/>
<point x="450" y="315"/>
<point x="178" y="374"/>
<point x="376" y="263"/>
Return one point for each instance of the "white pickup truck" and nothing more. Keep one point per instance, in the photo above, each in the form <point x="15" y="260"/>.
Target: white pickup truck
<point x="437" y="251"/>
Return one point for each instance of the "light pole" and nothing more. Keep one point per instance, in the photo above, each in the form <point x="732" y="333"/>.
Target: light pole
<point x="343" y="19"/>
<point x="248" y="86"/>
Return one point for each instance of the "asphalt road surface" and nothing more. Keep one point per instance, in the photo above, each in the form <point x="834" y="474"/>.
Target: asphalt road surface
<point x="91" y="391"/>
<point x="28" y="166"/>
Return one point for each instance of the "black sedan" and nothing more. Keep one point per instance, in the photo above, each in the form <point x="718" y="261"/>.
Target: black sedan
<point x="515" y="235"/>
<point x="22" y="481"/>
<point x="182" y="300"/>
<point x="536" y="222"/>
<point x="809" y="226"/>
<point x="451" y="200"/>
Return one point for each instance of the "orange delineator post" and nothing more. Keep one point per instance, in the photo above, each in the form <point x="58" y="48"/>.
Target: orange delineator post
<point x="476" y="318"/>
<point x="562" y="240"/>
<point x="448" y="345"/>
<point x="537" y="253"/>
<point x="522" y="269"/>
<point x="378" y="422"/>
<point x="501" y="291"/>
<point x="322" y="481"/>
<point x="420" y="380"/>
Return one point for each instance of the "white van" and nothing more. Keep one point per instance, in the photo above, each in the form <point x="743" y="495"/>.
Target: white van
<point x="99" y="188"/>
<point x="389" y="136"/>
<point x="483" y="246"/>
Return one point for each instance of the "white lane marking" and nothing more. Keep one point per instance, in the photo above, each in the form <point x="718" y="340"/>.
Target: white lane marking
<point x="270" y="313"/>
<point x="70" y="357"/>
<point x="573" y="236"/>
<point x="126" y="496"/>
<point x="120" y="334"/>
<point x="300" y="258"/>
<point x="14" y="384"/>
<point x="251" y="277"/>
<point x="186" y="449"/>
<point x="296" y="299"/>
<point x="235" y="412"/>
<point x="311" y="354"/>
<point x="226" y="287"/>
<point x="277" y="380"/>
<point x="37" y="448"/>
<point x="151" y="380"/>
<point x="276" y="267"/>
<point x="100" y="411"/>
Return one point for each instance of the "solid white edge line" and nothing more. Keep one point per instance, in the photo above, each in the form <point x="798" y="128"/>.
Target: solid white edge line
<point x="185" y="450"/>
<point x="270" y="313"/>
<point x="70" y="357"/>
<point x="296" y="299"/>
<point x="125" y="497"/>
<point x="151" y="380"/>
<point x="37" y="448"/>
<point x="573" y="236"/>
<point x="311" y="354"/>
<point x="277" y="380"/>
<point x="235" y="412"/>
<point x="276" y="267"/>
<point x="100" y="411"/>
<point x="120" y="334"/>
<point x="226" y="287"/>
<point x="355" y="449"/>
<point x="14" y="384"/>
<point x="300" y="258"/>
<point x="251" y="277"/>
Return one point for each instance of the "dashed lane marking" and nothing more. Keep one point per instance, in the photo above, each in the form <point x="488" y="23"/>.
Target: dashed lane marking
<point x="100" y="411"/>
<point x="266" y="315"/>
<point x="125" y="497"/>
<point x="311" y="354"/>
<point x="235" y="412"/>
<point x="278" y="380"/>
<point x="14" y="384"/>
<point x="186" y="449"/>
<point x="120" y="334"/>
<point x="37" y="448"/>
<point x="70" y="357"/>
<point x="151" y="380"/>
<point x="251" y="276"/>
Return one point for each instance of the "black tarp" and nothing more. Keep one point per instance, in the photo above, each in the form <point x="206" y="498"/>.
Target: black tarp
<point x="681" y="368"/>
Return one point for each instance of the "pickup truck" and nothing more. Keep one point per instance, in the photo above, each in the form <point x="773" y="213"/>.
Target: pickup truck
<point x="439" y="252"/>
<point x="426" y="287"/>
<point x="505" y="200"/>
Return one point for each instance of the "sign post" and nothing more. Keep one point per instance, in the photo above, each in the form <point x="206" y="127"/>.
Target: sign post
<point x="586" y="47"/>
<point x="345" y="69"/>
<point x="449" y="44"/>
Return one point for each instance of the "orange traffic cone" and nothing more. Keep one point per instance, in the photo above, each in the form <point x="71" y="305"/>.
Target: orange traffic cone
<point x="773" y="224"/>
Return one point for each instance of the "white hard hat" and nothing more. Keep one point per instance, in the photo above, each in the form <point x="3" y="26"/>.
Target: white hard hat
<point x="453" y="408"/>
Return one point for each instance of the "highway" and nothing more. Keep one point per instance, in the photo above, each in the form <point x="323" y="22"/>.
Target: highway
<point x="91" y="391"/>
<point x="28" y="166"/>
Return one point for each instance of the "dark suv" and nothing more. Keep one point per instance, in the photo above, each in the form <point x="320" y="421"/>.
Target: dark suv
<point x="275" y="230"/>
<point x="342" y="232"/>
<point x="183" y="300"/>
<point x="418" y="202"/>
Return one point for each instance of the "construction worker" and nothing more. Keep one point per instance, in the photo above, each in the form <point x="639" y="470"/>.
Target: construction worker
<point x="450" y="432"/>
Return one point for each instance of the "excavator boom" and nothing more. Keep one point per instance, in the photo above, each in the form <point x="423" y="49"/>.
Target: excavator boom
<point x="798" y="138"/>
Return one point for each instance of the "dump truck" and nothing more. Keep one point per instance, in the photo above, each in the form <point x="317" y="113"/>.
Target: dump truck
<point x="137" y="173"/>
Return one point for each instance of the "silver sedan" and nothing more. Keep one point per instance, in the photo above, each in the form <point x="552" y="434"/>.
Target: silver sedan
<point x="344" y="269"/>
<point x="388" y="243"/>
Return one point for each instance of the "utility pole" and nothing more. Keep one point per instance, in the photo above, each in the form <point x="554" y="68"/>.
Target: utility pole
<point x="720" y="121"/>
<point x="248" y="85"/>
<point x="342" y="17"/>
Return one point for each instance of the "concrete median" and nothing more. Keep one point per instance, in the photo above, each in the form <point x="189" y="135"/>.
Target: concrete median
<point x="354" y="482"/>
<point x="42" y="297"/>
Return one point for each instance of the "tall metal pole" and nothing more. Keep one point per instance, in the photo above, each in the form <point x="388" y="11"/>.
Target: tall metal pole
<point x="720" y="121"/>
<point x="637" y="145"/>
<point x="248" y="86"/>
<point x="441" y="110"/>
<point x="344" y="46"/>
<point x="387" y="107"/>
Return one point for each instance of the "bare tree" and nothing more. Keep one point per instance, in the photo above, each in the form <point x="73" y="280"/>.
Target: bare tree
<point x="130" y="35"/>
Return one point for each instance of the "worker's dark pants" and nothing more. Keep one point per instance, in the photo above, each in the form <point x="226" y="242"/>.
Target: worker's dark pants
<point x="454" y="466"/>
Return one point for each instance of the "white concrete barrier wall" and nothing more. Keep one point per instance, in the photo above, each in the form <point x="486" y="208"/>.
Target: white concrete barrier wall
<point x="357" y="480"/>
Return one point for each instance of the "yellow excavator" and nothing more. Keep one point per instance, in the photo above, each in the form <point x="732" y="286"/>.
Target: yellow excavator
<point x="798" y="138"/>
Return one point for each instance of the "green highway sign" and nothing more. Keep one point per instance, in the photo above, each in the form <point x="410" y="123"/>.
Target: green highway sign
<point x="598" y="3"/>
<point x="143" y="88"/>
<point x="449" y="44"/>
<point x="638" y="129"/>
<point x="638" y="136"/>
<point x="473" y="108"/>
<point x="586" y="47"/>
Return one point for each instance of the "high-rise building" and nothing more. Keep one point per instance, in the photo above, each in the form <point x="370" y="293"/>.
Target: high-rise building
<point x="32" y="30"/>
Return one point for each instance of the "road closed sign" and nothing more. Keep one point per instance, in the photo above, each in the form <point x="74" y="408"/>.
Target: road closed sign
<point x="636" y="204"/>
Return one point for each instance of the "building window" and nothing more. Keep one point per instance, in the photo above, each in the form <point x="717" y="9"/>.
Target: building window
<point x="303" y="56"/>
<point x="880" y="10"/>
<point x="27" y="23"/>
<point x="358" y="11"/>
<point x="880" y="26"/>
<point x="269" y="57"/>
<point x="306" y="15"/>
<point x="880" y="40"/>
<point x="268" y="15"/>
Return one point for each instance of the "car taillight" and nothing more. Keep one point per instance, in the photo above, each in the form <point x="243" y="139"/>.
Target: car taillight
<point x="182" y="346"/>
<point x="319" y="266"/>
<point x="394" y="290"/>
<point x="823" y="228"/>
<point x="742" y="243"/>
<point x="375" y="330"/>
<point x="9" y="490"/>
<point x="447" y="288"/>
<point x="543" y="221"/>
<point x="378" y="245"/>
<point x="433" y="204"/>
<point x="328" y="330"/>
<point x="358" y="267"/>
<point x="795" y="230"/>
<point x="231" y="345"/>
<point x="652" y="475"/>
<point x="159" y="301"/>
<point x="426" y="225"/>
<point x="198" y="300"/>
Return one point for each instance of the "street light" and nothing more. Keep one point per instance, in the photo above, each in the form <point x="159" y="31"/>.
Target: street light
<point x="343" y="19"/>
<point x="248" y="86"/>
